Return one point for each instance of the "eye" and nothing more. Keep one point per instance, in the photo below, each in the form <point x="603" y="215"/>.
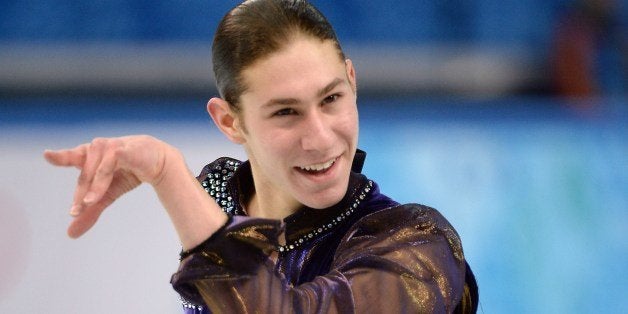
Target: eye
<point x="284" y="112"/>
<point x="331" y="98"/>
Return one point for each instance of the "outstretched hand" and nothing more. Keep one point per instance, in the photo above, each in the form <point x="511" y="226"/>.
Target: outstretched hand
<point x="110" y="167"/>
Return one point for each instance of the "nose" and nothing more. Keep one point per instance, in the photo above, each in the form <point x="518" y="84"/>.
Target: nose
<point x="318" y="134"/>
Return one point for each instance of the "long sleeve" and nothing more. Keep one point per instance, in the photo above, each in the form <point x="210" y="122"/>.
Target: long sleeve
<point x="402" y="259"/>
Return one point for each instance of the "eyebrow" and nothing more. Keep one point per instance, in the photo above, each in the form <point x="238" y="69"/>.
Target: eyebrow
<point x="291" y="101"/>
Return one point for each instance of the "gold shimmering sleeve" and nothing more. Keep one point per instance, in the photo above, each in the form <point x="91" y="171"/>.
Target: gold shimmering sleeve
<point x="416" y="266"/>
<point x="235" y="251"/>
<point x="406" y="259"/>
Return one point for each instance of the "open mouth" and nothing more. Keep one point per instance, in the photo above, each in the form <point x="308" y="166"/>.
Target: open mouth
<point x="318" y="168"/>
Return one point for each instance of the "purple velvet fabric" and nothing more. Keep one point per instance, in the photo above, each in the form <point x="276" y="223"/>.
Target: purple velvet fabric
<point x="314" y="257"/>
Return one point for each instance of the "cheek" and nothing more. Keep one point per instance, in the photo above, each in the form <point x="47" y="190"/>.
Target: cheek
<point x="348" y="126"/>
<point x="277" y="144"/>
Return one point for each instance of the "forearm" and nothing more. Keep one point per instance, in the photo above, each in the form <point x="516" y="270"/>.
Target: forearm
<point x="193" y="213"/>
<point x="414" y="257"/>
<point x="335" y="292"/>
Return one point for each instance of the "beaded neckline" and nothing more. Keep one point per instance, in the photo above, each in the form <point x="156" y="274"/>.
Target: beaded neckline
<point x="216" y="184"/>
<point x="330" y="224"/>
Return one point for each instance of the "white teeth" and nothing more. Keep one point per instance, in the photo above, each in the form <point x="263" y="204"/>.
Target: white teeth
<point x="319" y="167"/>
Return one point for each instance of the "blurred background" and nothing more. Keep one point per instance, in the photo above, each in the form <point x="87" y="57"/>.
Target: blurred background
<point x="510" y="117"/>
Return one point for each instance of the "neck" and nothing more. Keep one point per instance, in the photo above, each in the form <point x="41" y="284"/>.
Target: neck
<point x="268" y="200"/>
<point x="266" y="206"/>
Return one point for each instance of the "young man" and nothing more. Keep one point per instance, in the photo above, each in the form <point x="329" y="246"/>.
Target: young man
<point x="296" y="228"/>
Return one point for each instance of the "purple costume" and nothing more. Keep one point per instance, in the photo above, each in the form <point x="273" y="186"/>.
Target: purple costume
<point x="367" y="253"/>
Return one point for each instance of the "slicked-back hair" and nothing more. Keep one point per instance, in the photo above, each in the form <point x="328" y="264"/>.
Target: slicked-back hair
<point x="255" y="29"/>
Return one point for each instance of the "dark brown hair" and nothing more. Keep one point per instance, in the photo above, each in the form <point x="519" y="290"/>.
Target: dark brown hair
<point x="257" y="28"/>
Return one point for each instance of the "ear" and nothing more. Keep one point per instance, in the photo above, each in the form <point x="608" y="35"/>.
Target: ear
<point x="225" y="119"/>
<point x="351" y="75"/>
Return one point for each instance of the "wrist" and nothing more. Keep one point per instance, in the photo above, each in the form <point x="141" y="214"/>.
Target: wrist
<point x="171" y="167"/>
<point x="194" y="214"/>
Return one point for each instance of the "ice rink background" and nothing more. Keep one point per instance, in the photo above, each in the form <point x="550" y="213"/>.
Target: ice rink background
<point x="537" y="192"/>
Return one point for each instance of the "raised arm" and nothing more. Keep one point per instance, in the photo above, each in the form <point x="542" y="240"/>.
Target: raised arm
<point x="111" y="167"/>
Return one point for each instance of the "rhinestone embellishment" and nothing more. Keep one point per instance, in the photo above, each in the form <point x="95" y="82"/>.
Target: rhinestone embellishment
<point x="189" y="305"/>
<point x="330" y="225"/>
<point x="216" y="185"/>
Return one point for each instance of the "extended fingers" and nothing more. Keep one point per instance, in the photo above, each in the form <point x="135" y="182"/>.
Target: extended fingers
<point x="94" y="155"/>
<point x="92" y="211"/>
<point x="102" y="178"/>
<point x="109" y="168"/>
<point x="74" y="157"/>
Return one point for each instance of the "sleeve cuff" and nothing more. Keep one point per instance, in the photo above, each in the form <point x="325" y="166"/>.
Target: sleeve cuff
<point x="237" y="249"/>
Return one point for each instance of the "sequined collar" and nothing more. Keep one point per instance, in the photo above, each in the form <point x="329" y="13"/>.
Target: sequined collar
<point x="230" y="183"/>
<point x="308" y="223"/>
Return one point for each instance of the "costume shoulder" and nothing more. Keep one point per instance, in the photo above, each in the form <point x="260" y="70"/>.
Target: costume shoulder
<point x="215" y="178"/>
<point x="418" y="231"/>
<point x="408" y="222"/>
<point x="219" y="168"/>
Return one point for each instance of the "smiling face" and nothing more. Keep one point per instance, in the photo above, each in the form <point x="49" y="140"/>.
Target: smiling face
<point x="299" y="124"/>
